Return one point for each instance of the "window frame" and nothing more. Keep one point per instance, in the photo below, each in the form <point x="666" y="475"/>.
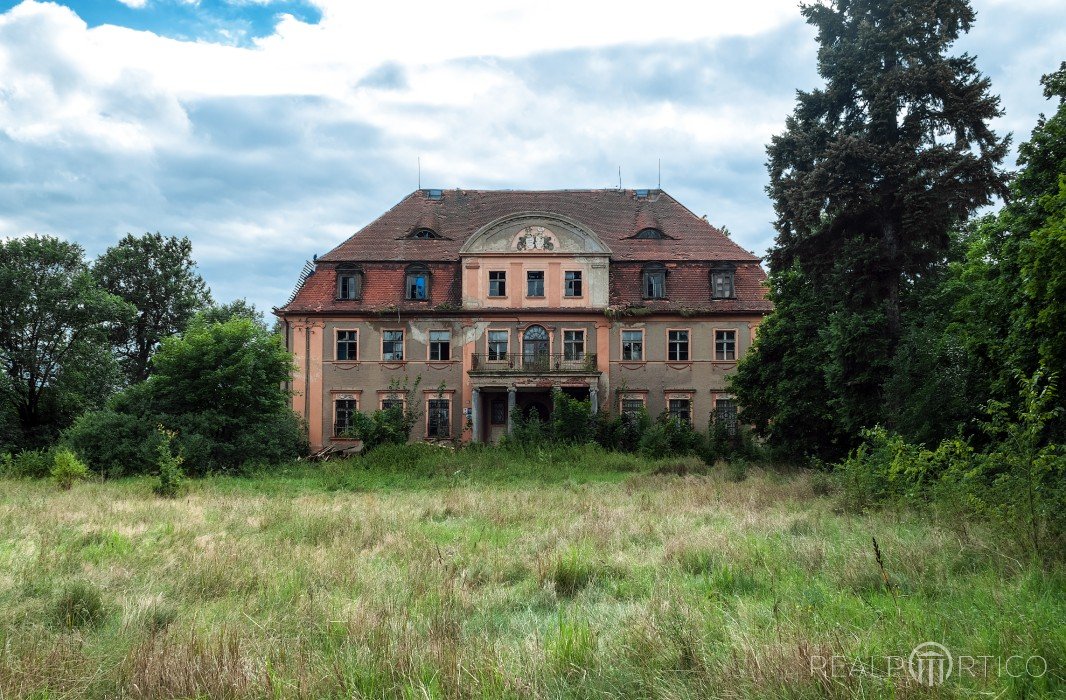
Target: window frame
<point x="430" y="342"/>
<point x="502" y="282"/>
<point x="736" y="410"/>
<point x="687" y="398"/>
<point x="687" y="342"/>
<point x="569" y="284"/>
<point x="542" y="284"/>
<point x="402" y="341"/>
<point x="391" y="396"/>
<point x="488" y="344"/>
<point x="641" y="396"/>
<point x="736" y="344"/>
<point x="727" y="272"/>
<point x="357" y="276"/>
<point x="493" y="400"/>
<point x="622" y="344"/>
<point x="653" y="268"/>
<point x="447" y="398"/>
<point x="584" y="344"/>
<point x="337" y="395"/>
<point x="412" y="271"/>
<point x="337" y="344"/>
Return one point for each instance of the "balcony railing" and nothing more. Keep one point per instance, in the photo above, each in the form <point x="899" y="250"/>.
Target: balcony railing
<point x="541" y="363"/>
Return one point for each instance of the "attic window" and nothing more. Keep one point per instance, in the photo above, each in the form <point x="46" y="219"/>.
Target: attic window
<point x="349" y="283"/>
<point x="435" y="194"/>
<point x="722" y="286"/>
<point x="416" y="282"/>
<point x="650" y="234"/>
<point x="653" y="281"/>
<point x="424" y="233"/>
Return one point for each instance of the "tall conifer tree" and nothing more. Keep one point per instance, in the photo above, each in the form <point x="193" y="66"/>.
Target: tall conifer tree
<point x="870" y="176"/>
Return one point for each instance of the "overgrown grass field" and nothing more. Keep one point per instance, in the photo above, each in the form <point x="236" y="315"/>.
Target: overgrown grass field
<point x="417" y="573"/>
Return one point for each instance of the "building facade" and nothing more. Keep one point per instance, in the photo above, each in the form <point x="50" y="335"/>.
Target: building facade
<point x="471" y="303"/>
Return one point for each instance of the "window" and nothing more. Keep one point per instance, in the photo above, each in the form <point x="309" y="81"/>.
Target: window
<point x="725" y="413"/>
<point x="349" y="285"/>
<point x="677" y="346"/>
<point x="343" y="410"/>
<point x="391" y="346"/>
<point x="632" y="406"/>
<point x="498" y="345"/>
<point x="440" y="345"/>
<point x="725" y="345"/>
<point x="347" y="345"/>
<point x="574" y="345"/>
<point x="438" y="418"/>
<point x="650" y="234"/>
<point x="497" y="284"/>
<point x="680" y="409"/>
<point x="654" y="281"/>
<point x="632" y="345"/>
<point x="535" y="283"/>
<point x="498" y="412"/>
<point x="417" y="284"/>
<point x="424" y="233"/>
<point x="722" y="282"/>
<point x="573" y="283"/>
<point x="391" y="402"/>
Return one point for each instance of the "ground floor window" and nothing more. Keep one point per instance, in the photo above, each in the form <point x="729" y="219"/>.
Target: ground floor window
<point x="725" y="413"/>
<point x="681" y="409"/>
<point x="632" y="405"/>
<point x="343" y="410"/>
<point x="498" y="411"/>
<point x="391" y="402"/>
<point x="438" y="418"/>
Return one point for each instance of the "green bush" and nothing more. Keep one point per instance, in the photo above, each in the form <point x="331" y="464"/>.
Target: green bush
<point x="622" y="433"/>
<point x="670" y="436"/>
<point x="28" y="464"/>
<point x="571" y="420"/>
<point x="171" y="477"/>
<point x="391" y="426"/>
<point x="67" y="469"/>
<point x="78" y="605"/>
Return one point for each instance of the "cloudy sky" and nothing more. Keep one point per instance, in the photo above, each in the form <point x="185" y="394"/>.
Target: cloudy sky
<point x="270" y="130"/>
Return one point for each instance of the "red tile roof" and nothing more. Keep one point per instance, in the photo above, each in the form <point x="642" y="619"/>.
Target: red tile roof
<point x="383" y="251"/>
<point x="614" y="215"/>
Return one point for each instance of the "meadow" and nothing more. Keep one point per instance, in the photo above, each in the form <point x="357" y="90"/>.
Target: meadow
<point x="565" y="572"/>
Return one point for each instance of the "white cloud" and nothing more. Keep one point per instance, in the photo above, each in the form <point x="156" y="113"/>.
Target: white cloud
<point x="265" y="154"/>
<point x="135" y="4"/>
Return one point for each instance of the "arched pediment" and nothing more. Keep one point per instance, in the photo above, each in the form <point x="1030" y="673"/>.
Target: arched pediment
<point x="535" y="232"/>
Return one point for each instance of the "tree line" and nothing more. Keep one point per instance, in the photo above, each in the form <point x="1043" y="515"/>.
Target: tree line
<point x="911" y="338"/>
<point x="119" y="354"/>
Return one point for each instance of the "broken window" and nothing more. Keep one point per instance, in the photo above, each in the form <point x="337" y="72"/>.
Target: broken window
<point x="535" y="283"/>
<point x="392" y="346"/>
<point x="440" y="345"/>
<point x="572" y="283"/>
<point x="347" y="345"/>
<point x="632" y="345"/>
<point x="438" y="418"/>
<point x="498" y="345"/>
<point x="497" y="283"/>
<point x="654" y="281"/>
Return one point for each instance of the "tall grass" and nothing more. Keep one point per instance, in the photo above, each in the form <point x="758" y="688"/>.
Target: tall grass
<point x="419" y="572"/>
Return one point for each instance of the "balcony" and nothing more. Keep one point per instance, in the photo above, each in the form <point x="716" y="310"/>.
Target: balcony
<point x="541" y="363"/>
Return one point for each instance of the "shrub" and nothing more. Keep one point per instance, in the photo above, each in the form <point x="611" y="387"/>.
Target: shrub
<point x="169" y="466"/>
<point x="571" y="420"/>
<point x="527" y="431"/>
<point x="67" y="469"/>
<point x="391" y="426"/>
<point x="78" y="605"/>
<point x="670" y="437"/>
<point x="29" y="464"/>
<point x="622" y="433"/>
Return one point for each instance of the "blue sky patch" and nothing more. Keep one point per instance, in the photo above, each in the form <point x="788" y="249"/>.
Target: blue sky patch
<point x="236" y="22"/>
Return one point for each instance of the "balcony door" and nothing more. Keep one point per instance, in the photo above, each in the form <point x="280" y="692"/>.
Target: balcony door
<point x="535" y="348"/>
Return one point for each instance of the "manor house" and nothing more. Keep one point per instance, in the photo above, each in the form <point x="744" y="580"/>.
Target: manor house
<point x="495" y="298"/>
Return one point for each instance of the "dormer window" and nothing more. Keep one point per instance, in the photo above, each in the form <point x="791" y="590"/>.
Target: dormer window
<point x="650" y="234"/>
<point x="653" y="281"/>
<point x="349" y="284"/>
<point x="416" y="283"/>
<point x="722" y="281"/>
<point x="424" y="233"/>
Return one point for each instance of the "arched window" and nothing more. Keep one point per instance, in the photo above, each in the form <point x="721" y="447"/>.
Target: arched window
<point x="424" y="233"/>
<point x="416" y="284"/>
<point x="653" y="281"/>
<point x="650" y="234"/>
<point x="535" y="345"/>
